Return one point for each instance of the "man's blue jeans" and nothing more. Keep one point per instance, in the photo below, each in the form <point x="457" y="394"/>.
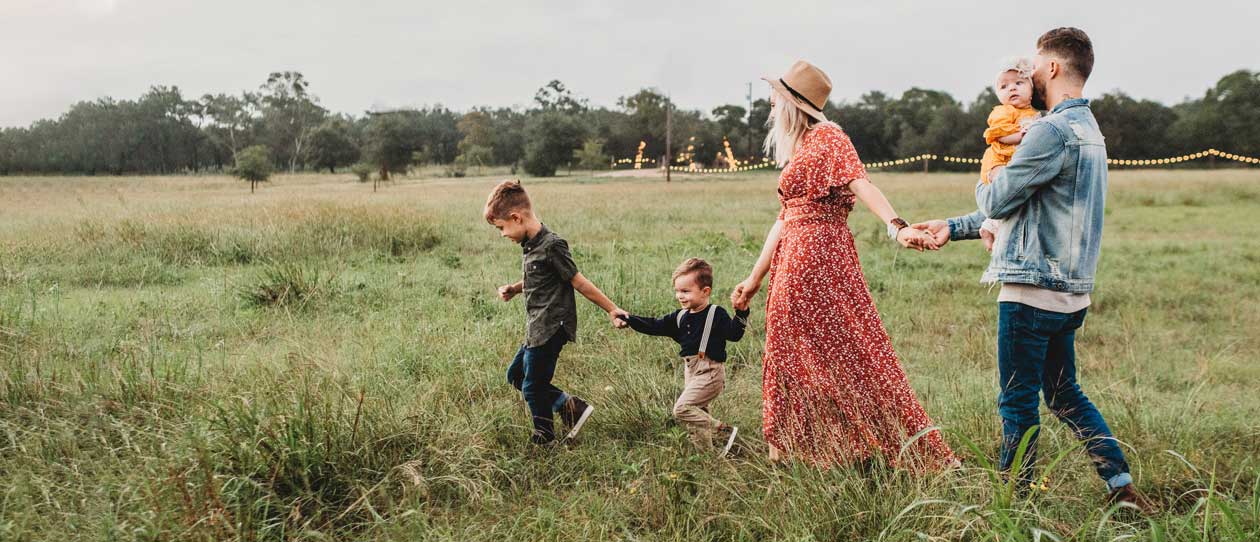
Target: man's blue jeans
<point x="1037" y="353"/>
<point x="530" y="372"/>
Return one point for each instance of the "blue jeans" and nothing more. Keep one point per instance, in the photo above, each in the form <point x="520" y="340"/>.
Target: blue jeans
<point x="530" y="372"/>
<point x="1036" y="353"/>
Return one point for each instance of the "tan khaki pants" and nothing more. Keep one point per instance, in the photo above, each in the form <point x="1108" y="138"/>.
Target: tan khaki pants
<point x="703" y="380"/>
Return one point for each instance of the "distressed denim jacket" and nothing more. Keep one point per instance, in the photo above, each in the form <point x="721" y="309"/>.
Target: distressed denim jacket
<point x="1050" y="199"/>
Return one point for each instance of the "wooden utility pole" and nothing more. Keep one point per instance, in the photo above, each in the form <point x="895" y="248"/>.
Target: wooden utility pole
<point x="669" y="127"/>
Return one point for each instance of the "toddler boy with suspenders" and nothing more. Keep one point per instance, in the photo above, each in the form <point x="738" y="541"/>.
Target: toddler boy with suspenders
<point x="701" y="330"/>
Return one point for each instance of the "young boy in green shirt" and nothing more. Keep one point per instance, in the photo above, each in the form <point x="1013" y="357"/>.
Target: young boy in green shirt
<point x="550" y="277"/>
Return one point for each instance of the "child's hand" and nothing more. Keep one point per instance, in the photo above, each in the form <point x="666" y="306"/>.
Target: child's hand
<point x="620" y="319"/>
<point x="993" y="173"/>
<point x="988" y="233"/>
<point x="508" y="291"/>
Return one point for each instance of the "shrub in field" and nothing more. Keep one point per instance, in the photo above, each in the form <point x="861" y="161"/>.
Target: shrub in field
<point x="253" y="164"/>
<point x="591" y="156"/>
<point x="457" y="168"/>
<point x="363" y="171"/>
<point x="474" y="155"/>
<point x="289" y="285"/>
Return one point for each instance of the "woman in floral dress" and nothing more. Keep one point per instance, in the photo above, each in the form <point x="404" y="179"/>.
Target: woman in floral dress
<point x="833" y="391"/>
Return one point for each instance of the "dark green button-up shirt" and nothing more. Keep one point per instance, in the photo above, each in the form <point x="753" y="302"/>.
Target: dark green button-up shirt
<point x="549" y="303"/>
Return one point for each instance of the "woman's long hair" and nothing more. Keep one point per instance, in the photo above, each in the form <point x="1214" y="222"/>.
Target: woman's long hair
<point x="787" y="125"/>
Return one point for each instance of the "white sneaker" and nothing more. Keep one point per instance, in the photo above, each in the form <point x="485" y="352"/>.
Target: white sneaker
<point x="730" y="441"/>
<point x="574" y="415"/>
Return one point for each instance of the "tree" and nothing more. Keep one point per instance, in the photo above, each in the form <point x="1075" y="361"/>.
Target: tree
<point x="230" y="119"/>
<point x="254" y="165"/>
<point x="1226" y="118"/>
<point x="757" y="120"/>
<point x="331" y="145"/>
<point x="865" y="122"/>
<point x="508" y="136"/>
<point x="554" y="96"/>
<point x="290" y="114"/>
<point x="390" y="142"/>
<point x="552" y="137"/>
<point x="910" y="116"/>
<point x="645" y="119"/>
<point x="476" y="147"/>
<point x="1134" y="128"/>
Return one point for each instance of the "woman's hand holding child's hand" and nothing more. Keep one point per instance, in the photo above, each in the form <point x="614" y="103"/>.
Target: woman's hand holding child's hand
<point x="744" y="293"/>
<point x="619" y="318"/>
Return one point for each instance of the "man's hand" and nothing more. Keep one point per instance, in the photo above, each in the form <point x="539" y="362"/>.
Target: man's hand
<point x="508" y="291"/>
<point x="744" y="293"/>
<point x="916" y="239"/>
<point x="993" y="173"/>
<point x="616" y="316"/>
<point x="938" y="229"/>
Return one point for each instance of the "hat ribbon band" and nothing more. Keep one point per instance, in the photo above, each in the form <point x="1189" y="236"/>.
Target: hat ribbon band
<point x="798" y="95"/>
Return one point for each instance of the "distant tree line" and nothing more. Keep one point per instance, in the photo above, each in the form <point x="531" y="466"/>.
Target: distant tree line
<point x="165" y="132"/>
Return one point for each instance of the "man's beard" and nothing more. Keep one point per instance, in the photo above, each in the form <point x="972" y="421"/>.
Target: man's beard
<point x="1039" y="97"/>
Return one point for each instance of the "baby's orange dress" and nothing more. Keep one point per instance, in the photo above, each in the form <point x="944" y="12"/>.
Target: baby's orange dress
<point x="1003" y="121"/>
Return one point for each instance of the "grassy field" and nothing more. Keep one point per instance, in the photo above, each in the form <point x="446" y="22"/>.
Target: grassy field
<point x="180" y="360"/>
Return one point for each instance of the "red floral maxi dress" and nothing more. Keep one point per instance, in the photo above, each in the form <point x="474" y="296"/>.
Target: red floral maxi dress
<point x="833" y="391"/>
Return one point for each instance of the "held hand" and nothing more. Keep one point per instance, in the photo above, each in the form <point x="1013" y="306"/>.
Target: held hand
<point x="988" y="238"/>
<point x="744" y="293"/>
<point x="916" y="239"/>
<point x="619" y="318"/>
<point x="938" y="229"/>
<point x="508" y="291"/>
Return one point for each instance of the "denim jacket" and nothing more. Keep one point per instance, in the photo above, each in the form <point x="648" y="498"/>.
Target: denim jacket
<point x="1050" y="199"/>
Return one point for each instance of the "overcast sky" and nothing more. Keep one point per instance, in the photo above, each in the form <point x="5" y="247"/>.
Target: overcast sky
<point x="374" y="54"/>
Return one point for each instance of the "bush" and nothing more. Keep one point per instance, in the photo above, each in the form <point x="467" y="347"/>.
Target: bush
<point x="591" y="156"/>
<point x="363" y="171"/>
<point x="457" y="168"/>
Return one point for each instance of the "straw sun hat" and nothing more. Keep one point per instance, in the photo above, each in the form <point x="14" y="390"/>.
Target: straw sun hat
<point x="807" y="86"/>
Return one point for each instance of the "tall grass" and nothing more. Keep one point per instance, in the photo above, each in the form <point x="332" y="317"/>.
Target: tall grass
<point x="307" y="366"/>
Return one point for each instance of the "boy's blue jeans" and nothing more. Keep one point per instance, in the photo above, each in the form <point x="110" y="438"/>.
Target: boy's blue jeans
<point x="530" y="372"/>
<point x="1037" y="353"/>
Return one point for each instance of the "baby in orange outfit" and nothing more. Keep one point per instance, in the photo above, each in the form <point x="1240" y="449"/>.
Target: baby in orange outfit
<point x="1007" y="124"/>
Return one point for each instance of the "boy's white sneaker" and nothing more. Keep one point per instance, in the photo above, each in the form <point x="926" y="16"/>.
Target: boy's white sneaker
<point x="730" y="439"/>
<point x="574" y="414"/>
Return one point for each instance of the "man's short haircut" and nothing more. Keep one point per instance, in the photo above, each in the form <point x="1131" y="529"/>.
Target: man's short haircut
<point x="507" y="198"/>
<point x="702" y="269"/>
<point x="1073" y="46"/>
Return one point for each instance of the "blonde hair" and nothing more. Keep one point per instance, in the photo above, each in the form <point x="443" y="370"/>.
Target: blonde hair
<point x="506" y="198"/>
<point x="787" y="125"/>
<point x="1019" y="64"/>
<point x="702" y="269"/>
